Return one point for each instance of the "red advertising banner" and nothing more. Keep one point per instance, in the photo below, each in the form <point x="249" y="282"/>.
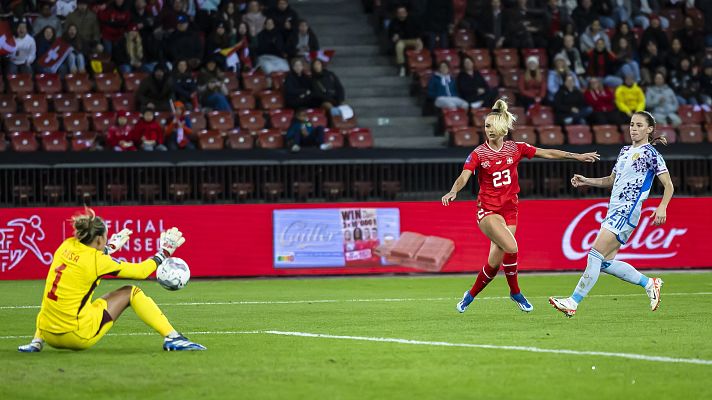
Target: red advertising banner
<point x="358" y="238"/>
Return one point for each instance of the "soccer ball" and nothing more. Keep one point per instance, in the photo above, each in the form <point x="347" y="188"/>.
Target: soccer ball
<point x="173" y="273"/>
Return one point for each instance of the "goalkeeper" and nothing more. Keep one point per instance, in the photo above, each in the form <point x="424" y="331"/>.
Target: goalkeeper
<point x="69" y="319"/>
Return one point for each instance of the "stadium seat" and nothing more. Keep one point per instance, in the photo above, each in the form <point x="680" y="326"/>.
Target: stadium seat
<point x="122" y="101"/>
<point x="197" y="121"/>
<point x="270" y="139"/>
<point x="690" y="133"/>
<point x="668" y="132"/>
<point x="418" y="60"/>
<point x="179" y="191"/>
<point x="17" y="122"/>
<point x="102" y="121"/>
<point x="302" y="190"/>
<point x="689" y="116"/>
<point x="277" y="79"/>
<point x="550" y="135"/>
<point x="332" y="189"/>
<point x="21" y="83"/>
<point x="465" y="136"/>
<point x="53" y="193"/>
<point x="390" y="189"/>
<point x="538" y="53"/>
<point x="242" y="100"/>
<point x="317" y="116"/>
<point x="148" y="192"/>
<point x="625" y="133"/>
<point x="243" y="190"/>
<point x="75" y="122"/>
<point x="254" y="81"/>
<point x="132" y="80"/>
<point x="463" y="39"/>
<point x="48" y="83"/>
<point x="541" y="115"/>
<point x="520" y="113"/>
<point x="511" y="77"/>
<point x="272" y="190"/>
<point x="250" y="120"/>
<point x="116" y="192"/>
<point x="697" y="184"/>
<point x="454" y="118"/>
<point x="23" y="193"/>
<point x="698" y="19"/>
<point x="481" y="58"/>
<point x="362" y="189"/>
<point x="675" y="17"/>
<point x="34" y="103"/>
<point x="43" y="122"/>
<point x="491" y="77"/>
<point x="478" y="117"/>
<point x="232" y="82"/>
<point x="23" y="141"/>
<point x="95" y="102"/>
<point x="360" y="138"/>
<point x="210" y="140"/>
<point x="109" y="82"/>
<point x="133" y="117"/>
<point x="524" y="133"/>
<point x="163" y="117"/>
<point x="77" y="83"/>
<point x="62" y="103"/>
<point x="451" y="56"/>
<point x="553" y="185"/>
<point x="270" y="100"/>
<point x="335" y="137"/>
<point x="238" y="140"/>
<point x="422" y="78"/>
<point x="579" y="134"/>
<point x="506" y="58"/>
<point x="83" y="141"/>
<point x="281" y="119"/>
<point x="221" y="120"/>
<point x="606" y="134"/>
<point x="211" y="191"/>
<point x="7" y="103"/>
<point x="3" y="142"/>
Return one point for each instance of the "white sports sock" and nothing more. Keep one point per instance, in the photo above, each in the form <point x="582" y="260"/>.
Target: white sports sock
<point x="590" y="276"/>
<point x="624" y="271"/>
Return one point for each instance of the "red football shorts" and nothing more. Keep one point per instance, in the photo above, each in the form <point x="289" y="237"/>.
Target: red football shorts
<point x="508" y="212"/>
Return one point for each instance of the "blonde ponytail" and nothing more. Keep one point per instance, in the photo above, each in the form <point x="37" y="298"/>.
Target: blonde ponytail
<point x="88" y="226"/>
<point x="502" y="120"/>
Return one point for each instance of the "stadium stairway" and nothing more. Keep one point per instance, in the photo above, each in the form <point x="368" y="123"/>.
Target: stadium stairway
<point x="380" y="98"/>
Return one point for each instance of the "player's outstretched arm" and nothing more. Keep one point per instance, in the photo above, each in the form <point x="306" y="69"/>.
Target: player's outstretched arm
<point x="605" y="182"/>
<point x="553" y="154"/>
<point x="660" y="214"/>
<point x="460" y="183"/>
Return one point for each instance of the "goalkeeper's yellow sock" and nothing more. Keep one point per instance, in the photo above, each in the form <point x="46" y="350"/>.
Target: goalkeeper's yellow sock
<point x="148" y="311"/>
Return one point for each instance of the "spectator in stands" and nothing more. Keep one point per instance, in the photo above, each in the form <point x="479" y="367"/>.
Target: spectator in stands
<point x="254" y="18"/>
<point x="522" y="25"/>
<point x="284" y="18"/>
<point x="629" y="97"/>
<point x="439" y="23"/>
<point x="655" y="33"/>
<point x="206" y="14"/>
<point x="86" y="22"/>
<point x="584" y="15"/>
<point x="168" y="18"/>
<point x="651" y="62"/>
<point x="219" y="39"/>
<point x="128" y="52"/>
<point x="185" y="86"/>
<point x="557" y="76"/>
<point x="472" y="87"/>
<point x="229" y="17"/>
<point x="690" y="38"/>
<point x="44" y="41"/>
<point x="685" y="82"/>
<point x="149" y="132"/>
<point x="676" y="53"/>
<point x="65" y="7"/>
<point x="570" y="107"/>
<point x="147" y="23"/>
<point x="184" y="44"/>
<point x="556" y="19"/>
<point x="602" y="63"/>
<point x="623" y="31"/>
<point x="297" y="87"/>
<point x="532" y="85"/>
<point x="212" y="90"/>
<point x="25" y="52"/>
<point x="591" y="35"/>
<point x="46" y="18"/>
<point x="114" y="20"/>
<point x="640" y="12"/>
<point x="326" y="87"/>
<point x="120" y="137"/>
<point x="404" y="33"/>
<point x="179" y="131"/>
<point x="601" y="100"/>
<point x="270" y="50"/>
<point x="76" y="60"/>
<point x="442" y="89"/>
<point x="706" y="83"/>
<point x="492" y="26"/>
<point x="625" y="57"/>
<point x="662" y="102"/>
<point x="302" y="133"/>
<point x="573" y="55"/>
<point x="302" y="41"/>
<point x="156" y="91"/>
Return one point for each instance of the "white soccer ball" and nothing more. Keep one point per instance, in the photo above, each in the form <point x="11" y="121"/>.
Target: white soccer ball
<point x="173" y="273"/>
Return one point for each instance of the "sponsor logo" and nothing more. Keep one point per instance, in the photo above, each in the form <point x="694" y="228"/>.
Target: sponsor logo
<point x="510" y="160"/>
<point x="19" y="237"/>
<point x="486" y="164"/>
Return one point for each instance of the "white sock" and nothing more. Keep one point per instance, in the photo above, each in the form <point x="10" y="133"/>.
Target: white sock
<point x="625" y="271"/>
<point x="590" y="276"/>
<point x="173" y="335"/>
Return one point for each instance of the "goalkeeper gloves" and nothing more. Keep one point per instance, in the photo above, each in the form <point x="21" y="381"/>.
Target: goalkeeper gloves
<point x="117" y="241"/>
<point x="171" y="240"/>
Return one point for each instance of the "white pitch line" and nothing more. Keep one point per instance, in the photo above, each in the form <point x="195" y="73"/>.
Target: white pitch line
<point x="385" y="300"/>
<point x="154" y="334"/>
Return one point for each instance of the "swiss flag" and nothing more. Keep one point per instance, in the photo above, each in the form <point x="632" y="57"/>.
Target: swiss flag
<point x="7" y="40"/>
<point x="55" y="56"/>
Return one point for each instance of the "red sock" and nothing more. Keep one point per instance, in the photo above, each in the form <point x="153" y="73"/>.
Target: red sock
<point x="483" y="278"/>
<point x="509" y="264"/>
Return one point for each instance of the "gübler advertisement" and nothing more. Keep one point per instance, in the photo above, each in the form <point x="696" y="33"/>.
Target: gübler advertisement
<point x="358" y="238"/>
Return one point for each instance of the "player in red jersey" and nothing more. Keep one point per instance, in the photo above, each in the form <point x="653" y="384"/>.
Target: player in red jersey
<point x="496" y="162"/>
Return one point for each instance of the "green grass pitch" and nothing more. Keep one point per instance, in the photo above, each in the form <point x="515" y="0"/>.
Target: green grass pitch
<point x="244" y="361"/>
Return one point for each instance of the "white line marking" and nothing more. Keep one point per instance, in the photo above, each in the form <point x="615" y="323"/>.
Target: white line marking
<point x="386" y="300"/>
<point x="155" y="334"/>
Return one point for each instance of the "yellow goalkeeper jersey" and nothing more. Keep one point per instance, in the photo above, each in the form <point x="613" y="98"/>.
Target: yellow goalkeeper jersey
<point x="75" y="272"/>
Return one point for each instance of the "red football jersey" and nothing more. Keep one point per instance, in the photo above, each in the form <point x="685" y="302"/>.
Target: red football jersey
<point x="497" y="172"/>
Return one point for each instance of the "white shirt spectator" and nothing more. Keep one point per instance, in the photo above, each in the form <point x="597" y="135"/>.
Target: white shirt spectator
<point x="25" y="51"/>
<point x="209" y="5"/>
<point x="64" y="7"/>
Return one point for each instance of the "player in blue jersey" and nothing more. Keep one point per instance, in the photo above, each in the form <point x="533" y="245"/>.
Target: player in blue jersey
<point x="631" y="180"/>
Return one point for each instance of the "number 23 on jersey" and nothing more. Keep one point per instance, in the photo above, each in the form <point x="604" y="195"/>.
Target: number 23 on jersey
<point x="501" y="178"/>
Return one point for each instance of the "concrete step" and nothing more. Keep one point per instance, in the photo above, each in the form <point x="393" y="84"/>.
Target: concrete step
<point x="319" y="19"/>
<point x="403" y="131"/>
<point x="388" y="111"/>
<point x="348" y="40"/>
<point x="339" y="30"/>
<point x="356" y="50"/>
<point x="370" y="91"/>
<point x="373" y="81"/>
<point x="328" y="8"/>
<point x="384" y="102"/>
<point x="411" y="142"/>
<point x="367" y="71"/>
<point x="397" y="121"/>
<point x="350" y="61"/>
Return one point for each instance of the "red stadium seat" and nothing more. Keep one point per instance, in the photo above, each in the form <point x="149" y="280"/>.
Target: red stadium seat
<point x="449" y="55"/>
<point x="463" y="39"/>
<point x="690" y="133"/>
<point x="238" y="140"/>
<point x="254" y="81"/>
<point x="34" y="103"/>
<point x="17" y="122"/>
<point x="3" y="142"/>
<point x="478" y="117"/>
<point x="277" y="79"/>
<point x="75" y="122"/>
<point x="506" y="58"/>
<point x="95" y="102"/>
<point x="122" y="101"/>
<point x="54" y="141"/>
<point x="317" y="116"/>
<point x="423" y="77"/>
<point x="490" y="76"/>
<point x="606" y="134"/>
<point x="270" y="139"/>
<point x="675" y="17"/>
<point x="48" y="83"/>
<point x="481" y="58"/>
<point x="281" y="119"/>
<point x="454" y="118"/>
<point x="524" y="133"/>
<point x="7" y="103"/>
<point x="251" y="120"/>
<point x="23" y="141"/>
<point x="418" y="60"/>
<point x="109" y="82"/>
<point x="132" y="80"/>
<point x="83" y="141"/>
<point x="44" y="122"/>
<point x="102" y="121"/>
<point x="163" y="117"/>
<point x="77" y="83"/>
<point x="62" y="103"/>
<point x="335" y="137"/>
<point x="465" y="136"/>
<point x="511" y="77"/>
<point x="210" y="140"/>
<point x="538" y="53"/>
<point x="625" y="133"/>
<point x="541" y="115"/>
<point x="197" y="121"/>
<point x="579" y="134"/>
<point x="521" y="114"/>
<point x="668" y="132"/>
<point x="270" y="100"/>
<point x="242" y="100"/>
<point x="133" y="118"/>
<point x="360" y="138"/>
<point x="21" y="83"/>
<point x="232" y="82"/>
<point x="689" y="116"/>
<point x="338" y="122"/>
<point x="550" y="135"/>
